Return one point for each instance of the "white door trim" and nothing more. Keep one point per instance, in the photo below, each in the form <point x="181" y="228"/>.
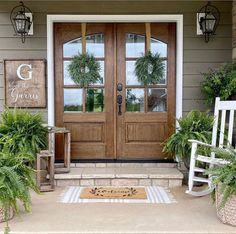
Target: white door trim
<point x="178" y="19"/>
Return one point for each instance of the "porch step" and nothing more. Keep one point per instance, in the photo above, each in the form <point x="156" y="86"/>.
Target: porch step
<point x="121" y="176"/>
<point x="121" y="164"/>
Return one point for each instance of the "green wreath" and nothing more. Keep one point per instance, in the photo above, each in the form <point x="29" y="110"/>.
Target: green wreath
<point x="84" y="70"/>
<point x="149" y="68"/>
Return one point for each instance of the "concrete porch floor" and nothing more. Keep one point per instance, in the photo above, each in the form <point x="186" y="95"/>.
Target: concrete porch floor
<point x="189" y="215"/>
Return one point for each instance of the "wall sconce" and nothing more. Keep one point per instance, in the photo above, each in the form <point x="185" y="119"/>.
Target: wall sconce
<point x="207" y="21"/>
<point x="22" y="21"/>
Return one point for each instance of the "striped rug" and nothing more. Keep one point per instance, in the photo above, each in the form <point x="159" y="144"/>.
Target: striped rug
<point x="155" y="194"/>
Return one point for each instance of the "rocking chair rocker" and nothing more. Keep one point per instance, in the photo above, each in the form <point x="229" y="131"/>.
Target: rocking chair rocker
<point x="227" y="109"/>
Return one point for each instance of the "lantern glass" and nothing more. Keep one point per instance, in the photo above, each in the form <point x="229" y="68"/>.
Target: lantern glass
<point x="22" y="23"/>
<point x="27" y="25"/>
<point x="21" y="19"/>
<point x="210" y="23"/>
<point x="207" y="23"/>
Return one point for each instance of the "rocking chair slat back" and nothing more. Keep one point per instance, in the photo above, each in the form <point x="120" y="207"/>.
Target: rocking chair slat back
<point x="222" y="128"/>
<point x="222" y="135"/>
<point x="215" y="126"/>
<point x="224" y="112"/>
<point x="231" y="125"/>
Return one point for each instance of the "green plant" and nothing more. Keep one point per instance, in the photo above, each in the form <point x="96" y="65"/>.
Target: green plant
<point x="219" y="82"/>
<point x="149" y="68"/>
<point x="195" y="125"/>
<point x="16" y="179"/>
<point x="25" y="131"/>
<point x="84" y="70"/>
<point x="225" y="174"/>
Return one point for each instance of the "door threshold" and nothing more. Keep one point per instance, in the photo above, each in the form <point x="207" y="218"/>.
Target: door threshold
<point x="119" y="161"/>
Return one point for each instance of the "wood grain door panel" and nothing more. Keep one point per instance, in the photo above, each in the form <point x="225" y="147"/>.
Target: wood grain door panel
<point x="145" y="132"/>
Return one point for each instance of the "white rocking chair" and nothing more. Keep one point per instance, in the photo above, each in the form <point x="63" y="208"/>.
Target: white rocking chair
<point x="227" y="109"/>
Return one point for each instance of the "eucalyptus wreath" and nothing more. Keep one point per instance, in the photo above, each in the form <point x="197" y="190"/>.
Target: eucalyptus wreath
<point x="149" y="68"/>
<point x="84" y="70"/>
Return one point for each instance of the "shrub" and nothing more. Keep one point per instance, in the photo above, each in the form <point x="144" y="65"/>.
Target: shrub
<point x="219" y="82"/>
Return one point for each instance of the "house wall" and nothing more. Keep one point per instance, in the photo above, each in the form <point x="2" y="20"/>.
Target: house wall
<point x="198" y="55"/>
<point x="234" y="29"/>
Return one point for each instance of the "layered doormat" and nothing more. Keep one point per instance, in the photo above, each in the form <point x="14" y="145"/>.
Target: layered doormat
<point x="148" y="194"/>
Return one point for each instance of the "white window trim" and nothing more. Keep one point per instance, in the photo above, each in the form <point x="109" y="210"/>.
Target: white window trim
<point x="178" y="19"/>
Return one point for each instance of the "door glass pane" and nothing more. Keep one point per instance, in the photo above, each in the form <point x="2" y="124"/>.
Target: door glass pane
<point x="95" y="45"/>
<point x="73" y="100"/>
<point x="135" y="45"/>
<point x="158" y="47"/>
<point x="135" y="100"/>
<point x="164" y="78"/>
<point x="131" y="78"/>
<point x="95" y="100"/>
<point x="67" y="78"/>
<point x="72" y="48"/>
<point x="163" y="81"/>
<point x="157" y="100"/>
<point x="102" y="72"/>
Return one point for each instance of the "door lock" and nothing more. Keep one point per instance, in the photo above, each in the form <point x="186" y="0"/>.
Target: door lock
<point x="119" y="102"/>
<point x="119" y="87"/>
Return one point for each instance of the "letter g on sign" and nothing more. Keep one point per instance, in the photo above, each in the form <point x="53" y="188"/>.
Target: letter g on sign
<point x="29" y="72"/>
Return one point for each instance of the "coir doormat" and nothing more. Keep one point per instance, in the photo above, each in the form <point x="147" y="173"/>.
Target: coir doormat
<point x="155" y="194"/>
<point x="113" y="193"/>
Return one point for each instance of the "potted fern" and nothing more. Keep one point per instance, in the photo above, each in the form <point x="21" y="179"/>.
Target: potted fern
<point x="25" y="130"/>
<point x="22" y="135"/>
<point x="224" y="178"/>
<point x="16" y="180"/>
<point x="195" y="125"/>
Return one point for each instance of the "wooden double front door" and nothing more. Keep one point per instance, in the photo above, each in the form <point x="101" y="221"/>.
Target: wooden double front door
<point x="100" y="127"/>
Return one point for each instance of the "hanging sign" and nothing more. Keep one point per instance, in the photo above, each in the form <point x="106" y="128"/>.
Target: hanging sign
<point x="25" y="84"/>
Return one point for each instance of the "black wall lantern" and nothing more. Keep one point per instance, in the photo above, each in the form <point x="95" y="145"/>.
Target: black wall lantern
<point x="21" y="19"/>
<point x="208" y="20"/>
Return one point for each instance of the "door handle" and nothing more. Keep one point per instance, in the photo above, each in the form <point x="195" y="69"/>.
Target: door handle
<point x="119" y="102"/>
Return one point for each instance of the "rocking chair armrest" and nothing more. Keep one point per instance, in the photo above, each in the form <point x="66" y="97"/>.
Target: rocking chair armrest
<point x="200" y="143"/>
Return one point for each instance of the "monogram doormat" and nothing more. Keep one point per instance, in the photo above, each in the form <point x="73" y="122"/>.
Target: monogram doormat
<point x="113" y="193"/>
<point x="147" y="194"/>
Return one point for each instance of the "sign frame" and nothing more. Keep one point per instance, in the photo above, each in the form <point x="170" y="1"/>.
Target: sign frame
<point x="10" y="77"/>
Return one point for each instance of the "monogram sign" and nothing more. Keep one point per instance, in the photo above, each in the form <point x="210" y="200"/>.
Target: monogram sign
<point x="25" y="83"/>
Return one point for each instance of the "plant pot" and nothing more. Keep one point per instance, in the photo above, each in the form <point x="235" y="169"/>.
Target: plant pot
<point x="186" y="161"/>
<point x="185" y="172"/>
<point x="2" y="215"/>
<point x="232" y="97"/>
<point x="226" y="214"/>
